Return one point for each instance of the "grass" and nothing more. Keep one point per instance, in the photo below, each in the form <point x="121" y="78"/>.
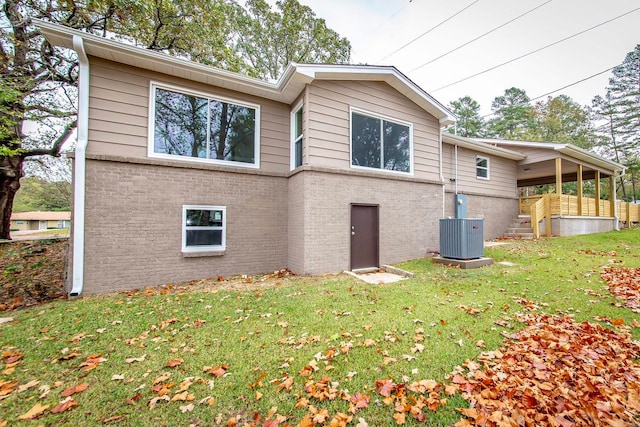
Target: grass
<point x="264" y="333"/>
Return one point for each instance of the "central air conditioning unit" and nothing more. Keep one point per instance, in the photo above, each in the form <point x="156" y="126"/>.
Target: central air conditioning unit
<point x="461" y="238"/>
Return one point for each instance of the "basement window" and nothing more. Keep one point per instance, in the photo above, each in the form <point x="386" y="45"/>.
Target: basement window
<point x="204" y="228"/>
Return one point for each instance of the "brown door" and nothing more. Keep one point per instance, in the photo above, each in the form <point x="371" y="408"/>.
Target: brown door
<point x="364" y="236"/>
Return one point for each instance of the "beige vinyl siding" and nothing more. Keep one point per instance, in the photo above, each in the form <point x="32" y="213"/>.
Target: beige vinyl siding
<point x="329" y="122"/>
<point x="502" y="173"/>
<point x="119" y="104"/>
<point x="534" y="155"/>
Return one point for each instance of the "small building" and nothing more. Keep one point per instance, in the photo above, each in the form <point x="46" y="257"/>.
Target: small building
<point x="21" y="221"/>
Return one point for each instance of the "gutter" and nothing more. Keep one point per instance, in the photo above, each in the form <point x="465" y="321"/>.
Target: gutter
<point x="79" y="176"/>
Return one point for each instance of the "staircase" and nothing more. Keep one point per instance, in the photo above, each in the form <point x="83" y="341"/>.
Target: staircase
<point x="520" y="228"/>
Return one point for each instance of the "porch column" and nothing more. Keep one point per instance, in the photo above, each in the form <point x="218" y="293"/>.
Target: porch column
<point x="579" y="172"/>
<point x="558" y="175"/>
<point x="612" y="195"/>
<point x="597" y="178"/>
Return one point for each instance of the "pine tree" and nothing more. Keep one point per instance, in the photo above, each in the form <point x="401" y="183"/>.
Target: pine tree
<point x="469" y="122"/>
<point x="513" y="115"/>
<point x="619" y="115"/>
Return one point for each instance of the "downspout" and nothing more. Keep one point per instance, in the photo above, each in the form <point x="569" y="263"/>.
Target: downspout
<point x="444" y="194"/>
<point x="615" y="206"/>
<point x="79" y="177"/>
<point x="456" y="177"/>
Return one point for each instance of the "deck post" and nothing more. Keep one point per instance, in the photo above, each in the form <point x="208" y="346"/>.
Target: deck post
<point x="597" y="179"/>
<point x="579" y="173"/>
<point x="558" y="175"/>
<point x="612" y="195"/>
<point x="547" y="214"/>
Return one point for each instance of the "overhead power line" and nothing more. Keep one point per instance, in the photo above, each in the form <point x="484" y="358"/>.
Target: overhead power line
<point x="480" y="36"/>
<point x="559" y="89"/>
<point x="534" y="51"/>
<point x="428" y="31"/>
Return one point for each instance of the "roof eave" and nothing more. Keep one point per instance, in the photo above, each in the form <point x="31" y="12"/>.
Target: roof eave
<point x="479" y="146"/>
<point x="286" y="89"/>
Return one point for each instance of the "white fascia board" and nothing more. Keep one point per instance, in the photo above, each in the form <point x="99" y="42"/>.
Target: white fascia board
<point x="586" y="156"/>
<point x="481" y="147"/>
<point x="569" y="150"/>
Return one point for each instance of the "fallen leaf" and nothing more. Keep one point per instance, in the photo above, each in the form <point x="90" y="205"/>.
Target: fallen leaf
<point x="65" y="405"/>
<point x="74" y="389"/>
<point x="154" y="401"/>
<point x="174" y="362"/>
<point x="35" y="411"/>
<point x="216" y="371"/>
<point x="27" y="386"/>
<point x="187" y="408"/>
<point x="135" y="359"/>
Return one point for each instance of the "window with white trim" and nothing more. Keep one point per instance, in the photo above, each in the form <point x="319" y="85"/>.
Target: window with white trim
<point x="482" y="167"/>
<point x="195" y="126"/>
<point x="296" y="137"/>
<point x="381" y="143"/>
<point x="204" y="228"/>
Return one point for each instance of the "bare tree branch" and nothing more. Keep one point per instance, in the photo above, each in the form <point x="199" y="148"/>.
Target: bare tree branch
<point x="55" y="147"/>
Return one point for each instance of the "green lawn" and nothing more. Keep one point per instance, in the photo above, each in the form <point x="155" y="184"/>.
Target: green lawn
<point x="355" y="333"/>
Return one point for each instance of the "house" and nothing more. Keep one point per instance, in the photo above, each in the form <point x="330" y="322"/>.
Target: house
<point x="183" y="171"/>
<point x="21" y="221"/>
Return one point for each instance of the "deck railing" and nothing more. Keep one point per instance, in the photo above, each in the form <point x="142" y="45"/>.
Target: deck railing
<point x="545" y="205"/>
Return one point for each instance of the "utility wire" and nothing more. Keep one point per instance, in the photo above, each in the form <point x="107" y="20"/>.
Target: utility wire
<point x="428" y="31"/>
<point x="480" y="36"/>
<point x="534" y="51"/>
<point x="384" y="23"/>
<point x="559" y="89"/>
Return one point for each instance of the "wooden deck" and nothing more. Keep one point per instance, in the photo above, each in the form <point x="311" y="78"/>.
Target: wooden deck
<point x="548" y="205"/>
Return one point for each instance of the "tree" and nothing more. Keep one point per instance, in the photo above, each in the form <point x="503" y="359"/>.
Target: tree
<point x="618" y="116"/>
<point x="469" y="122"/>
<point x="292" y="34"/>
<point x="561" y="119"/>
<point x="39" y="195"/>
<point x="513" y="115"/>
<point x="38" y="81"/>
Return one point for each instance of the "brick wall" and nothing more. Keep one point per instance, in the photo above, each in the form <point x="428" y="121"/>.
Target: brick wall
<point x="133" y="231"/>
<point x="408" y="215"/>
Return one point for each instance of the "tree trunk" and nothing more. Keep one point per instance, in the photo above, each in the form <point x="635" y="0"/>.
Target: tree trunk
<point x="10" y="174"/>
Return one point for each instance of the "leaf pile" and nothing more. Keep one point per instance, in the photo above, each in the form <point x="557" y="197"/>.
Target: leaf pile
<point x="624" y="284"/>
<point x="31" y="272"/>
<point x="555" y="372"/>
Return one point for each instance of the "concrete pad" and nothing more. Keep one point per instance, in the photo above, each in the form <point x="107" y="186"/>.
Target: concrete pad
<point x="464" y="263"/>
<point x="507" y="263"/>
<point x="5" y="320"/>
<point x="378" y="277"/>
<point x="489" y="244"/>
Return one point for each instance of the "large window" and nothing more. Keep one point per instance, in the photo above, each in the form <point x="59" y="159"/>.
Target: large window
<point x="380" y="143"/>
<point x="296" y="137"/>
<point x="482" y="167"/>
<point x="194" y="126"/>
<point x="204" y="228"/>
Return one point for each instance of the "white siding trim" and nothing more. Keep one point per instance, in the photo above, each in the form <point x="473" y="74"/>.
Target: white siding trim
<point x="151" y="126"/>
<point x="381" y="117"/>
<point x="292" y="146"/>
<point x="223" y="244"/>
<point x="488" y="177"/>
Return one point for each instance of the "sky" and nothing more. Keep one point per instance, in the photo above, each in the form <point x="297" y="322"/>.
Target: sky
<point x="379" y="30"/>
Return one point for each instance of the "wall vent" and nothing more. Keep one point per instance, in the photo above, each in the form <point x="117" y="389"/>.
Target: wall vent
<point x="461" y="238"/>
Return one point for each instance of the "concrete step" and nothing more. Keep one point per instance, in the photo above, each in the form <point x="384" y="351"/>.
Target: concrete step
<point x="516" y="230"/>
<point x="524" y="236"/>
